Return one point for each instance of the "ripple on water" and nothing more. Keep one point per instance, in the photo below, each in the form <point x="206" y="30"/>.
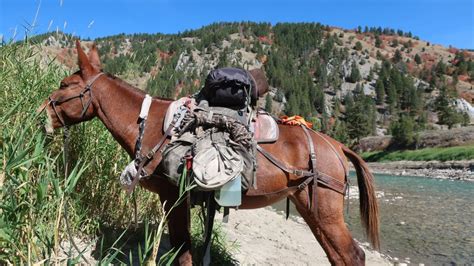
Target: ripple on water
<point x="430" y="221"/>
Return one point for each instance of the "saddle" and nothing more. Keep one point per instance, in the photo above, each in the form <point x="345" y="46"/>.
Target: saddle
<point x="265" y="128"/>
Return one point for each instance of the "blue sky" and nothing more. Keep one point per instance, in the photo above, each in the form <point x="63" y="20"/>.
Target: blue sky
<point x="446" y="22"/>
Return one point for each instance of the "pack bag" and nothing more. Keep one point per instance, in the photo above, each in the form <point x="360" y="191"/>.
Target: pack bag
<point x="221" y="146"/>
<point x="215" y="161"/>
<point x="173" y="156"/>
<point x="230" y="87"/>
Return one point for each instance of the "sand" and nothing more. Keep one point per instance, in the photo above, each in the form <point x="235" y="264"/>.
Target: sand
<point x="264" y="237"/>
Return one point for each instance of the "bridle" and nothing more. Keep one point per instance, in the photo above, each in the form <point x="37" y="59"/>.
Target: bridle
<point x="81" y="95"/>
<point x="85" y="106"/>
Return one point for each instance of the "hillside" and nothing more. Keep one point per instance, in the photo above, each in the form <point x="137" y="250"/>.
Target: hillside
<point x="350" y="83"/>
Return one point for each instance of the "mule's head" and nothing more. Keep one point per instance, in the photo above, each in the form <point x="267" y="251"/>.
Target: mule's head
<point x="261" y="81"/>
<point x="71" y="103"/>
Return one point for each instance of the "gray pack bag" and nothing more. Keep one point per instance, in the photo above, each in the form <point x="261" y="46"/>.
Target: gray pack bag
<point x="215" y="162"/>
<point x="173" y="161"/>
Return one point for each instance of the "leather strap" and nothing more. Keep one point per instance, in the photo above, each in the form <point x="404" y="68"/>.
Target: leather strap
<point x="324" y="179"/>
<point x="145" y="160"/>
<point x="313" y="194"/>
<point x="87" y="88"/>
<point x="313" y="175"/>
<point x="282" y="165"/>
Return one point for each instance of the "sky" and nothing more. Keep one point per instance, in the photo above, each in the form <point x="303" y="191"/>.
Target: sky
<point x="446" y="22"/>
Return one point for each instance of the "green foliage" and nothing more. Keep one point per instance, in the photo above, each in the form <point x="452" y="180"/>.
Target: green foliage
<point x="418" y="59"/>
<point x="447" y="114"/>
<point x="441" y="68"/>
<point x="165" y="82"/>
<point x="360" y="115"/>
<point x="340" y="132"/>
<point x="378" y="42"/>
<point x="358" y="46"/>
<point x="116" y="65"/>
<point x="355" y="74"/>
<point x="428" y="154"/>
<point x="380" y="91"/>
<point x="397" y="57"/>
<point x="298" y="38"/>
<point x="403" y="131"/>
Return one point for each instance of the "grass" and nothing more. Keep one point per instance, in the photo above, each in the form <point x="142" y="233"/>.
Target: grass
<point x="34" y="191"/>
<point x="427" y="154"/>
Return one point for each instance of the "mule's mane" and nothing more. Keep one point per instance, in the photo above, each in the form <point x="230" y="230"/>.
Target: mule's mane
<point x="138" y="92"/>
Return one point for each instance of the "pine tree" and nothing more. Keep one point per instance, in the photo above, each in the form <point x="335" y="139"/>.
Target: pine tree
<point x="380" y="91"/>
<point x="403" y="131"/>
<point x="340" y="132"/>
<point x="397" y="57"/>
<point x="355" y="73"/>
<point x="378" y="42"/>
<point x="360" y="116"/>
<point x="417" y="59"/>
<point x="447" y="115"/>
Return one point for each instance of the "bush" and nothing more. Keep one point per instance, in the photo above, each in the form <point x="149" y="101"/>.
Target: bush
<point x="403" y="131"/>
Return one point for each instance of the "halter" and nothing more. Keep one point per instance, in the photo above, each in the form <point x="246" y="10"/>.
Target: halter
<point x="85" y="106"/>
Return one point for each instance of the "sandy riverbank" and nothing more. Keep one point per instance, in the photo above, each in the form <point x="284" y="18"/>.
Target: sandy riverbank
<point x="455" y="170"/>
<point x="264" y="237"/>
<point x="258" y="237"/>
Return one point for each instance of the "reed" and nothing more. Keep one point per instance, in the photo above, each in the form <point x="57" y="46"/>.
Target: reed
<point x="33" y="189"/>
<point x="35" y="193"/>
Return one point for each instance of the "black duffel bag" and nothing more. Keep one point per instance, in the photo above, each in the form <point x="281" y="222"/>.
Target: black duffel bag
<point x="230" y="87"/>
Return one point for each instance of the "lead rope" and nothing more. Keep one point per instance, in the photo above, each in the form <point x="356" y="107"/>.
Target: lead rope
<point x="66" y="174"/>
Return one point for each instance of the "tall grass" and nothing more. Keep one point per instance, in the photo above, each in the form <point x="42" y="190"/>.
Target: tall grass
<point x="34" y="191"/>
<point x="33" y="188"/>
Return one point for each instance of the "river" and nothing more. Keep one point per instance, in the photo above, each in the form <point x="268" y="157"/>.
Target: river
<point x="423" y="220"/>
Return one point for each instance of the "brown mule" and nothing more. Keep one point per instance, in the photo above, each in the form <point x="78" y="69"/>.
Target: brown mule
<point x="89" y="93"/>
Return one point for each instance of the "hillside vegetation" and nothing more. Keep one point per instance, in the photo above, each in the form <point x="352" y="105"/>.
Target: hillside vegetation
<point x="350" y="83"/>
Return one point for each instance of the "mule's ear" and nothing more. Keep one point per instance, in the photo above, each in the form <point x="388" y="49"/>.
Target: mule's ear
<point x="82" y="60"/>
<point x="94" y="57"/>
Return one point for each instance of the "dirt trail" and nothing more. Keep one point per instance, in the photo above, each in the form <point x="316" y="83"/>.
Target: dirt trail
<point x="264" y="237"/>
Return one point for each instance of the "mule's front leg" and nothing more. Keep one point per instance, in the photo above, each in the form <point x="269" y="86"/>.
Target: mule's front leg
<point x="178" y="218"/>
<point x="179" y="230"/>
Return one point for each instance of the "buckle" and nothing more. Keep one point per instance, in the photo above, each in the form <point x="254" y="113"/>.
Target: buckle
<point x="312" y="156"/>
<point x="150" y="155"/>
<point x="298" y="173"/>
<point x="302" y="186"/>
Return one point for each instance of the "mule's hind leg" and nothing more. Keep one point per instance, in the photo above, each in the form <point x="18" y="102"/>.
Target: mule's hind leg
<point x="329" y="228"/>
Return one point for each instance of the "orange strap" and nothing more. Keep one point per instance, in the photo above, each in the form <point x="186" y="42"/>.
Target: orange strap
<point x="295" y="120"/>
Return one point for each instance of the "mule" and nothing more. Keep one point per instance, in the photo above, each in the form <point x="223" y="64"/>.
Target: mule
<point x="90" y="93"/>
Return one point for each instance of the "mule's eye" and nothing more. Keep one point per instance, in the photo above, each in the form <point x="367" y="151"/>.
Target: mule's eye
<point x="62" y="85"/>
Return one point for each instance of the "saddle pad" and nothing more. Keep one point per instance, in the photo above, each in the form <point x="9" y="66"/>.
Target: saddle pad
<point x="265" y="128"/>
<point x="173" y="108"/>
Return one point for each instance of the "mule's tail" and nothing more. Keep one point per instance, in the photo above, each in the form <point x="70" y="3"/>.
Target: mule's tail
<point x="369" y="211"/>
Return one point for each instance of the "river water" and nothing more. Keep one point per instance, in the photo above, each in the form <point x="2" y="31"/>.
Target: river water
<point x="423" y="220"/>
